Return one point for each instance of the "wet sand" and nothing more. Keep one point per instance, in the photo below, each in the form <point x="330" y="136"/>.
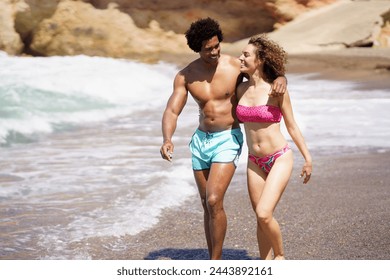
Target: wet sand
<point x="342" y="214"/>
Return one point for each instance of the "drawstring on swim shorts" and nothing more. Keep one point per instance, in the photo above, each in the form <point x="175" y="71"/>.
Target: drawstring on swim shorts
<point x="207" y="138"/>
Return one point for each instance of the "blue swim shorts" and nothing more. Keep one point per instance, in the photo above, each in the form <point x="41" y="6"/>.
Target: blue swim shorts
<point x="223" y="147"/>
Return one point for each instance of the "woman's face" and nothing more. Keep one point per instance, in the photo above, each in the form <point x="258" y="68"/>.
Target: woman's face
<point x="249" y="61"/>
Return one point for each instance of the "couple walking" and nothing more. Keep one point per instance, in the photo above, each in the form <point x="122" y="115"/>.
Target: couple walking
<point x="225" y="99"/>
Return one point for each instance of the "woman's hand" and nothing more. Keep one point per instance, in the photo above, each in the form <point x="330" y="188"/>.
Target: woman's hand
<point x="306" y="172"/>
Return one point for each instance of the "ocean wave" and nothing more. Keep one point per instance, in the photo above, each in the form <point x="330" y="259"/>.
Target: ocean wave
<point x="42" y="95"/>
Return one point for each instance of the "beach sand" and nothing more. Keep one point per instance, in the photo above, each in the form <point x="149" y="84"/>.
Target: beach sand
<point x="341" y="214"/>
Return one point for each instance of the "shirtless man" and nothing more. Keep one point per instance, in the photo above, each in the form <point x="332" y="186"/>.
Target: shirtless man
<point x="216" y="145"/>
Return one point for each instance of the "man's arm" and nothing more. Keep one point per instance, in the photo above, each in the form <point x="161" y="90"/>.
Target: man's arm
<point x="241" y="78"/>
<point x="172" y="111"/>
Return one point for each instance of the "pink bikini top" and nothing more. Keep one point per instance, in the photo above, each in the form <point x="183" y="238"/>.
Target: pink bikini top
<point x="261" y="114"/>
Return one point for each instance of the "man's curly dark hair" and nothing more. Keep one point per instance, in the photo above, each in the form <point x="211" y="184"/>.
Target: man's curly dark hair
<point x="272" y="55"/>
<point x="202" y="30"/>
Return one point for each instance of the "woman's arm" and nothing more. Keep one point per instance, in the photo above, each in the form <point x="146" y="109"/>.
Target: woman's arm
<point x="296" y="135"/>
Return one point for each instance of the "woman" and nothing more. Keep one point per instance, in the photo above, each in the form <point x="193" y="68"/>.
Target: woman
<point x="270" y="161"/>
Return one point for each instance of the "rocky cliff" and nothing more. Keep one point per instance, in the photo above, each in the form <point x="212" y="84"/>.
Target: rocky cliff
<point x="238" y="18"/>
<point x="132" y="28"/>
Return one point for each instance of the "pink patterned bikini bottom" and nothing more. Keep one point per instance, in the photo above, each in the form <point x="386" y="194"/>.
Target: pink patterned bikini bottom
<point x="266" y="163"/>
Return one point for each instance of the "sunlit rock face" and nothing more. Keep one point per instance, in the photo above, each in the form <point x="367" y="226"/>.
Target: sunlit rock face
<point x="133" y="28"/>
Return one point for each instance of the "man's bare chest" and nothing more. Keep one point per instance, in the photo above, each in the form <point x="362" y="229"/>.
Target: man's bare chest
<point x="221" y="88"/>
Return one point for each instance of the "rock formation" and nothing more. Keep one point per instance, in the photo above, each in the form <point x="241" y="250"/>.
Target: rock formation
<point x="383" y="37"/>
<point x="10" y="40"/>
<point x="238" y="18"/>
<point x="78" y="28"/>
<point x="135" y="28"/>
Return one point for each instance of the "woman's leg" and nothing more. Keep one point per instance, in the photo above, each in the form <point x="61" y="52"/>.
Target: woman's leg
<point x="273" y="189"/>
<point x="256" y="180"/>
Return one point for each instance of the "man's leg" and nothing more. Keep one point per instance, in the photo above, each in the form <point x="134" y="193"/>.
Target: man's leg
<point x="201" y="177"/>
<point x="212" y="194"/>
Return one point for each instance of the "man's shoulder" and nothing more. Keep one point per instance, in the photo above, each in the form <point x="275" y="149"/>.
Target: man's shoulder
<point x="228" y="56"/>
<point x="230" y="60"/>
<point x="190" y="67"/>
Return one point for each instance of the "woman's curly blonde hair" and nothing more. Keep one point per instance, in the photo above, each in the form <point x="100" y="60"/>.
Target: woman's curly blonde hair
<point x="271" y="54"/>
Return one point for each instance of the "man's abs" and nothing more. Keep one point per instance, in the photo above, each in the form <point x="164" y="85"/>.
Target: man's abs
<point x="215" y="121"/>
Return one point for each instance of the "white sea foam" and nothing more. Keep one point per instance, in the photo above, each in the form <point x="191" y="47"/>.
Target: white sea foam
<point x="338" y="114"/>
<point x="38" y="95"/>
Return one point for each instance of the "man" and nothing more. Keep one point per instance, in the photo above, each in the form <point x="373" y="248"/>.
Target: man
<point x="216" y="145"/>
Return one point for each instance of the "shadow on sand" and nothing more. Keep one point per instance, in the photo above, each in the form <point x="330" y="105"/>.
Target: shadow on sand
<point x="196" y="254"/>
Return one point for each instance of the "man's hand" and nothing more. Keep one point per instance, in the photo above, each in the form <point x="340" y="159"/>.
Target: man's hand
<point x="279" y="87"/>
<point x="166" y="150"/>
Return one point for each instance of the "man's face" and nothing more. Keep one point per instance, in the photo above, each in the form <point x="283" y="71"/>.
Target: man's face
<point x="211" y="50"/>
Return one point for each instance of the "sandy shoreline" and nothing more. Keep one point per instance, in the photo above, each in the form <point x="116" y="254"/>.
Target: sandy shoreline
<point x="342" y="214"/>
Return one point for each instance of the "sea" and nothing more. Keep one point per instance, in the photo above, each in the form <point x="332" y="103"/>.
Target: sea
<point x="80" y="139"/>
